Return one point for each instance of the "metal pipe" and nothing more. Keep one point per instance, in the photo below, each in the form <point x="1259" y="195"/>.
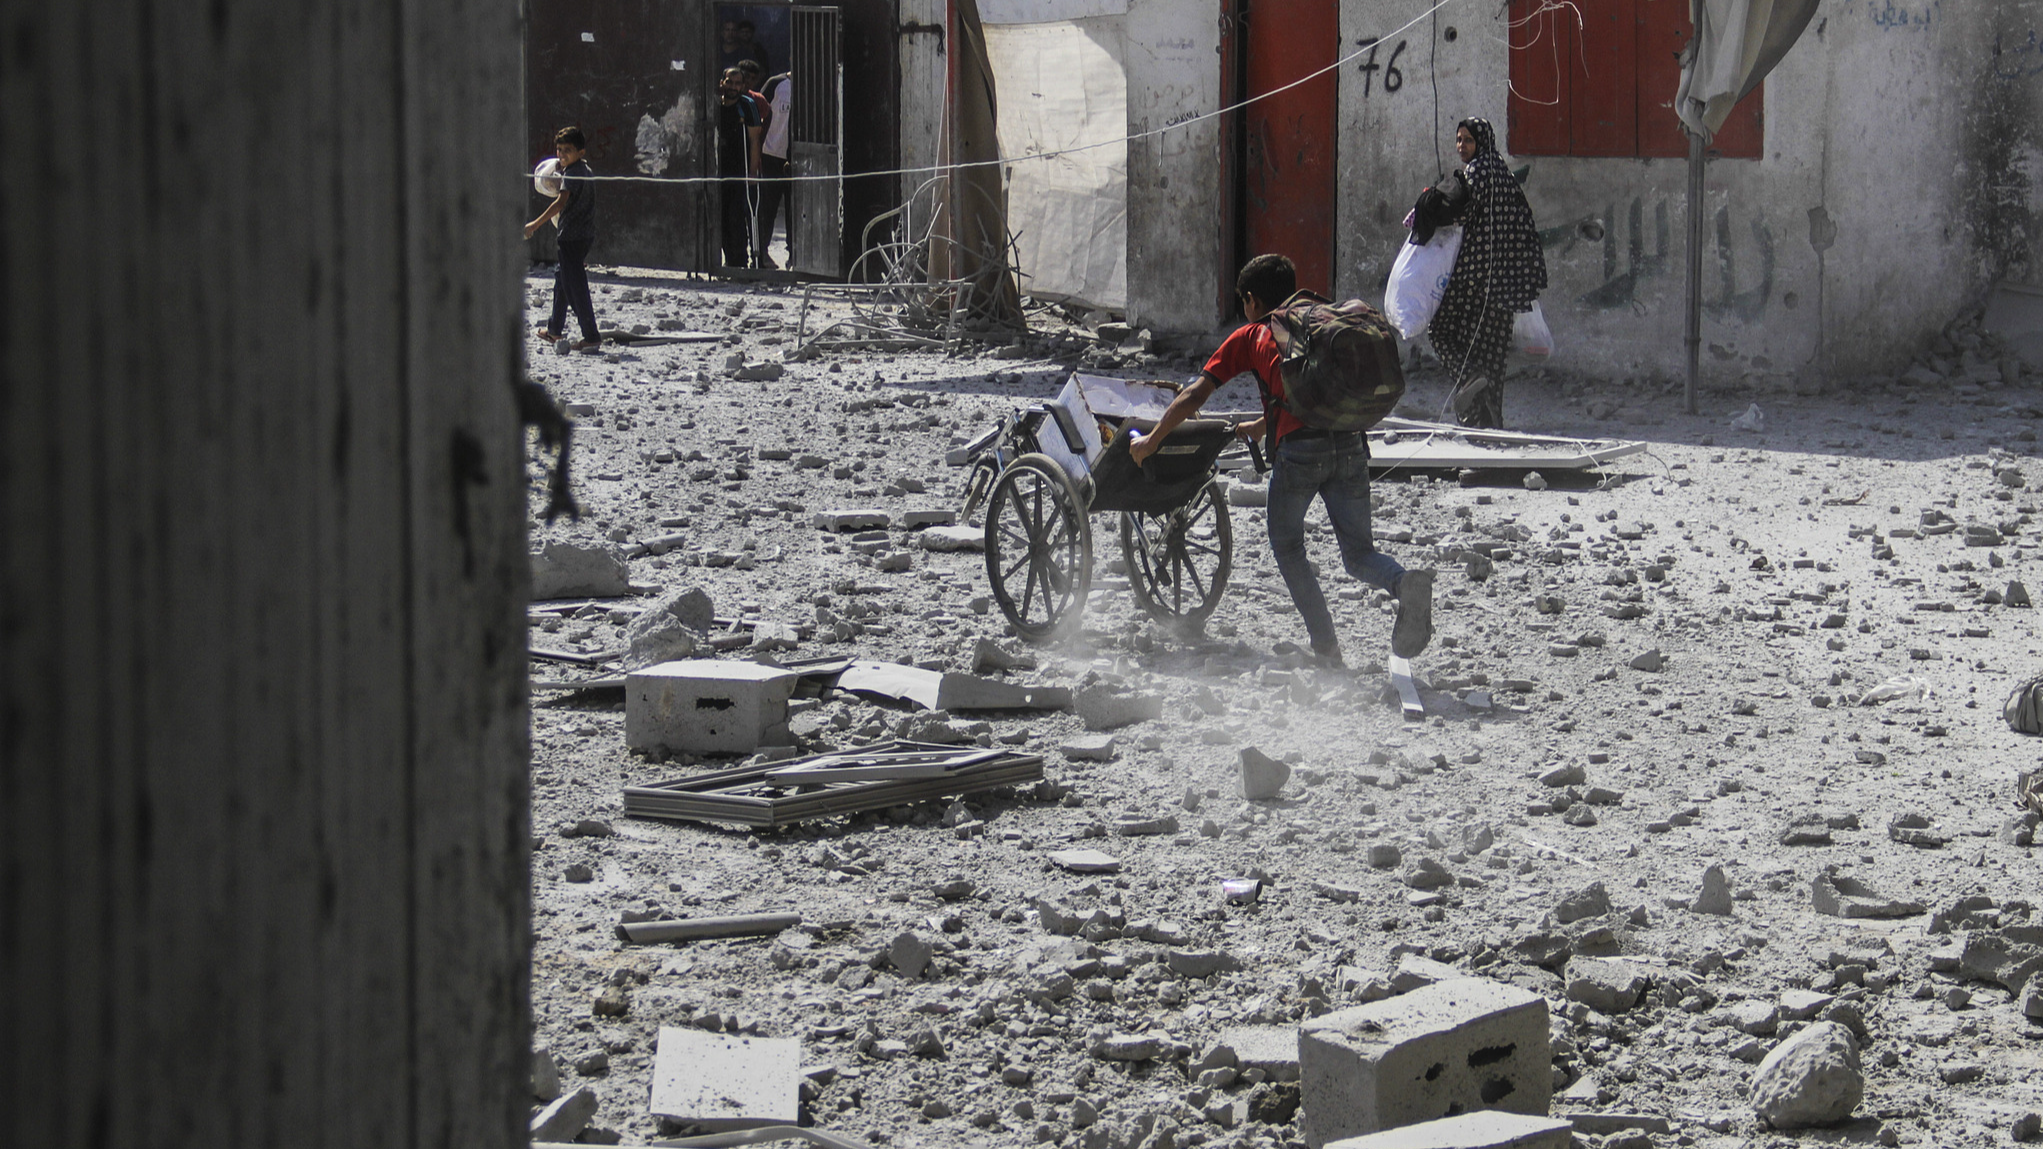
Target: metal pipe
<point x="1695" y="247"/>
<point x="737" y="926"/>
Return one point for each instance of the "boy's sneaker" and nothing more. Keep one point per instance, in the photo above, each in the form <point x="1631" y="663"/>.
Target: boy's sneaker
<point x="1329" y="657"/>
<point x="1414" y="626"/>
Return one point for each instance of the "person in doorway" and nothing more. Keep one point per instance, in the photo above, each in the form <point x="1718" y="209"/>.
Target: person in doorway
<point x="1499" y="273"/>
<point x="575" y="207"/>
<point x="739" y="131"/>
<point x="775" y="188"/>
<point x="1332" y="466"/>
<point x="749" y="47"/>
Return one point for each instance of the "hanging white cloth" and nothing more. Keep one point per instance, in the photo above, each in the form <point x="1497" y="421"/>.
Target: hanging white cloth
<point x="1737" y="42"/>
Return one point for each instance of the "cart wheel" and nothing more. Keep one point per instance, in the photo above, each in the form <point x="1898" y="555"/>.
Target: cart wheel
<point x="1178" y="561"/>
<point x="978" y="481"/>
<point x="1038" y="546"/>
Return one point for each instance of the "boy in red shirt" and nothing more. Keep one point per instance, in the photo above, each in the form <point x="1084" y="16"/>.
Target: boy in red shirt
<point x="1332" y="465"/>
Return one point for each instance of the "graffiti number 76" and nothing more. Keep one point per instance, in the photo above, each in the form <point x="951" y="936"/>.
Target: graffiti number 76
<point x="1392" y="78"/>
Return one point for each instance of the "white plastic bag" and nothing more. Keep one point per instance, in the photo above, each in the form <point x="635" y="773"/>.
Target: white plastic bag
<point x="1418" y="279"/>
<point x="1530" y="334"/>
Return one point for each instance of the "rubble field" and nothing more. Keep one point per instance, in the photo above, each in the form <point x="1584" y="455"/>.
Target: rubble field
<point x="1714" y="756"/>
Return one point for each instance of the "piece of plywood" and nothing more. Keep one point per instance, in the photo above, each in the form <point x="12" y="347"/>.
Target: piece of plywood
<point x="1413" y="445"/>
<point x="726" y="1081"/>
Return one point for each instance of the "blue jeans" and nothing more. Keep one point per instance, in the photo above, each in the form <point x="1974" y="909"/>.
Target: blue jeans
<point x="1335" y="468"/>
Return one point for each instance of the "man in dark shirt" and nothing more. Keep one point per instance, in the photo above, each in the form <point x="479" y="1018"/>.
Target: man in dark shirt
<point x="740" y="130"/>
<point x="1330" y="465"/>
<point x="575" y="210"/>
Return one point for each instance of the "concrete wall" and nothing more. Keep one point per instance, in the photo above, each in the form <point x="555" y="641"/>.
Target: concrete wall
<point x="262" y="679"/>
<point x="1865" y="227"/>
<point x="1175" y="201"/>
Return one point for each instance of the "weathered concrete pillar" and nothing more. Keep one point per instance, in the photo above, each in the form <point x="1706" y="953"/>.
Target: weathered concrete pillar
<point x="262" y="714"/>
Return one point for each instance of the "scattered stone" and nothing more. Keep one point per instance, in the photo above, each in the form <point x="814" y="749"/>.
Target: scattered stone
<point x="545" y="1074"/>
<point x="1095" y="748"/>
<point x="1423" y="873"/>
<point x="1415" y="972"/>
<point x="1605" y="986"/>
<point x="1385" y="855"/>
<point x="1588" y="902"/>
<point x="2027" y="1127"/>
<point x="1803" y="1004"/>
<point x="1753" y="1016"/>
<point x="1843" y="896"/>
<point x="1272" y="1049"/>
<point x="1200" y="963"/>
<point x="1650" y="661"/>
<point x="1716" y="893"/>
<point x="1262" y="777"/>
<point x="1103" y="709"/>
<point x="1811" y="1079"/>
<point x="2009" y="956"/>
<point x="1806" y="830"/>
<point x="563" y="570"/>
<point x="909" y="955"/>
<point x="1570" y="775"/>
<point x="1086" y="861"/>
<point x="1129" y="826"/>
<point x="565" y="1118"/>
<point x="952" y="539"/>
<point x="1913" y="829"/>
<point x="863" y="519"/>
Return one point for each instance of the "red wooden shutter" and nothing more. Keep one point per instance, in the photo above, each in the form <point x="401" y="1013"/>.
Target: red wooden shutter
<point x="1603" y="116"/>
<point x="1537" y="109"/>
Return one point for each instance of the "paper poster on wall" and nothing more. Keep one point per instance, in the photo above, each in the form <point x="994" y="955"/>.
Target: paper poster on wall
<point x="1062" y="86"/>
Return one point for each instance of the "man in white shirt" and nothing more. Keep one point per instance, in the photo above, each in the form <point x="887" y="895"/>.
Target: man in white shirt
<point x="775" y="189"/>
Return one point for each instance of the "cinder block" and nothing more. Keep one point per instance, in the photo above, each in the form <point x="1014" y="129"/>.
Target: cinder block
<point x="1448" y="1049"/>
<point x="704" y="706"/>
<point x="1486" y="1130"/>
<point x="851" y="519"/>
<point x="724" y="1082"/>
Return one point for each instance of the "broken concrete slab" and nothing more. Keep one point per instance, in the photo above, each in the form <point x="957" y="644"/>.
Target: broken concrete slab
<point x="1415" y="972"/>
<point x="565" y="1118"/>
<point x="1843" y="896"/>
<point x="1488" y="1129"/>
<point x="1089" y="748"/>
<point x="852" y="519"/>
<point x="1809" y="1080"/>
<point x="1465" y="1045"/>
<point x="563" y="570"/>
<point x="1270" y="1048"/>
<point x="1607" y="987"/>
<point x="706" y="706"/>
<point x="937" y="690"/>
<point x="2008" y="957"/>
<point x="1262" y="777"/>
<point x="1102" y="708"/>
<point x="726" y="1082"/>
<point x="952" y="539"/>
<point x="1086" y="861"/>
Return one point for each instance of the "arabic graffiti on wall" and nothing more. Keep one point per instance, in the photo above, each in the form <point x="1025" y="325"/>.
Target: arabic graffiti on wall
<point x="2017" y="59"/>
<point x="1643" y="260"/>
<point x="1895" y="17"/>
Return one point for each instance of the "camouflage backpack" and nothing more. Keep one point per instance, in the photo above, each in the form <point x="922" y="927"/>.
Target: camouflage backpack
<point x="1339" y="362"/>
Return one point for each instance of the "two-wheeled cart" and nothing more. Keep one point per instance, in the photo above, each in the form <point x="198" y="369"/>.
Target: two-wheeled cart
<point x="1041" y="473"/>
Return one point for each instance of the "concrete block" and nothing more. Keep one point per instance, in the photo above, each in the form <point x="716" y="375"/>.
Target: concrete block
<point x="704" y="706"/>
<point x="1441" y="1051"/>
<point x="565" y="1119"/>
<point x="928" y="517"/>
<point x="563" y="570"/>
<point x="851" y="520"/>
<point x="1486" y="1130"/>
<point x="726" y="1082"/>
<point x="1270" y="1048"/>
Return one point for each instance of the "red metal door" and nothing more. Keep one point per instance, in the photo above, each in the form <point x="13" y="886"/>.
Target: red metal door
<point x="1289" y="164"/>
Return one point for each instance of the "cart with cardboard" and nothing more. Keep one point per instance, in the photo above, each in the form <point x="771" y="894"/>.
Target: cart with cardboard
<point x="1041" y="474"/>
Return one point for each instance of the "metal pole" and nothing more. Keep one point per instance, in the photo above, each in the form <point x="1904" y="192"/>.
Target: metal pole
<point x="1695" y="248"/>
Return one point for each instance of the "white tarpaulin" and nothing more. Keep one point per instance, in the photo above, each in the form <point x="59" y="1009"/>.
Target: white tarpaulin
<point x="1737" y="43"/>
<point x="1062" y="85"/>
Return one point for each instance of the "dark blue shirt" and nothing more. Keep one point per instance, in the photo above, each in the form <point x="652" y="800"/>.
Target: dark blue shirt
<point x="578" y="218"/>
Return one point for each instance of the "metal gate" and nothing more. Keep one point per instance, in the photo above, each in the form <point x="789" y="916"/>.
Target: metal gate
<point x="815" y="143"/>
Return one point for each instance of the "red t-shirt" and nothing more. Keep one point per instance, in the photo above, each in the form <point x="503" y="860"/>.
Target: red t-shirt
<point x="1252" y="351"/>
